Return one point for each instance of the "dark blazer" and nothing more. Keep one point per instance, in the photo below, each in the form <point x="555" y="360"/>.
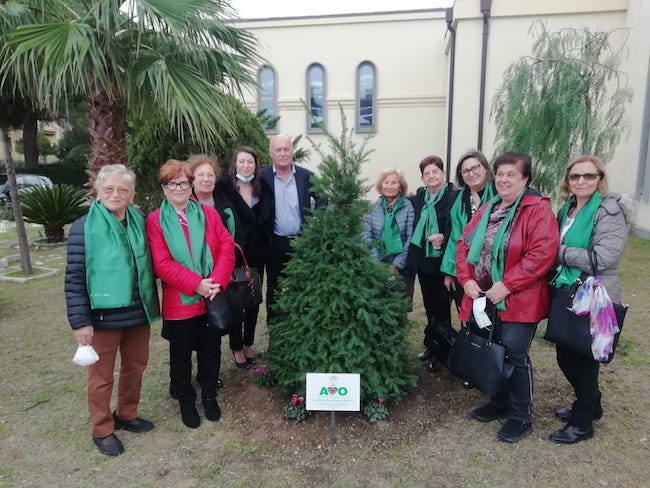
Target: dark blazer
<point x="303" y="184"/>
<point x="253" y="226"/>
<point x="416" y="261"/>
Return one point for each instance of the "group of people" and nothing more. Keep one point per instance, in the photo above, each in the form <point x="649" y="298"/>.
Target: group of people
<point x="494" y="236"/>
<point x="115" y="255"/>
<point x="489" y="235"/>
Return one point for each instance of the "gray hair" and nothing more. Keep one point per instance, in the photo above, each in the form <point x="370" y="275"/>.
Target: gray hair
<point x="127" y="176"/>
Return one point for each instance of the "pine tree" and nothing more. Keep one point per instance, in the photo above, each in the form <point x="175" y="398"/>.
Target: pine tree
<point x="338" y="310"/>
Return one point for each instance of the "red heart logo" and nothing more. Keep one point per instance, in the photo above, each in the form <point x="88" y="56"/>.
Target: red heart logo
<point x="332" y="390"/>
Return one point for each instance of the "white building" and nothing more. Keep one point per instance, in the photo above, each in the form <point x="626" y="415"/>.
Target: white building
<point x="391" y="71"/>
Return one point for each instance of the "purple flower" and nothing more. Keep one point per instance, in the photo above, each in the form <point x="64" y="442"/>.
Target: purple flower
<point x="380" y="400"/>
<point x="294" y="399"/>
<point x="300" y="399"/>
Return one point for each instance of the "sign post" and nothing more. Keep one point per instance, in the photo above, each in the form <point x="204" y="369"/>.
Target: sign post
<point x="333" y="392"/>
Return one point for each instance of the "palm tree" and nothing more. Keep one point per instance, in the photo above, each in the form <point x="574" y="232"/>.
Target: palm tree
<point x="175" y="57"/>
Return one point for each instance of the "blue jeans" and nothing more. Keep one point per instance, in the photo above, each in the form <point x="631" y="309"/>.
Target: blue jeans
<point x="518" y="396"/>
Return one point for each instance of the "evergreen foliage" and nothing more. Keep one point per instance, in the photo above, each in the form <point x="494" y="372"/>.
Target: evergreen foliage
<point x="53" y="208"/>
<point x="338" y="310"/>
<point x="566" y="99"/>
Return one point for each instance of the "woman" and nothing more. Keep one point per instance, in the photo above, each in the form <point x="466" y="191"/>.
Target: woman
<point x="248" y="198"/>
<point x="432" y="204"/>
<point x="475" y="180"/>
<point x="505" y="252"/>
<point x="389" y="224"/>
<point x="112" y="299"/>
<point x="590" y="218"/>
<point x="193" y="256"/>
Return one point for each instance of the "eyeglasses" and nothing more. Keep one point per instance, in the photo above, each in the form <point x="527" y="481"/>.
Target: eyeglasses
<point x="574" y="177"/>
<point x="183" y="185"/>
<point x="474" y="170"/>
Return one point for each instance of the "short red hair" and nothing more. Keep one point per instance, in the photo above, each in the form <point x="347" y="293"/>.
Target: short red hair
<point x="174" y="168"/>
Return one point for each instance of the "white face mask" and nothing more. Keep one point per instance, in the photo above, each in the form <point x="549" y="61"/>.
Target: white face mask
<point x="245" y="179"/>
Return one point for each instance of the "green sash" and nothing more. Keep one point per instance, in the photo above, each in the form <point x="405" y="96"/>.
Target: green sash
<point x="391" y="239"/>
<point x="459" y="220"/>
<point x="192" y="257"/>
<point x="230" y="221"/>
<point x="579" y="235"/>
<point x="498" y="260"/>
<point x="428" y="223"/>
<point x="113" y="254"/>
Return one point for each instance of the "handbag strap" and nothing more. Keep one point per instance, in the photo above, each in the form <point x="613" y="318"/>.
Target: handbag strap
<point x="243" y="256"/>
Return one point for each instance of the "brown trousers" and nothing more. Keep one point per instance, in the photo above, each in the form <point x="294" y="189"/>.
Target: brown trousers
<point x="133" y="343"/>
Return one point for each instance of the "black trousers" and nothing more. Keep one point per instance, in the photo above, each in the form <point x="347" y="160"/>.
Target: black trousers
<point x="185" y="336"/>
<point x="582" y="374"/>
<point x="280" y="254"/>
<point x="436" y="298"/>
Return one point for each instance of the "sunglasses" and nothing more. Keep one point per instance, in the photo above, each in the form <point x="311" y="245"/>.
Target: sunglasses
<point x="587" y="176"/>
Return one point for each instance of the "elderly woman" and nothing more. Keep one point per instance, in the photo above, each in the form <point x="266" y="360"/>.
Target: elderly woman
<point x="111" y="299"/>
<point x="194" y="257"/>
<point x="505" y="253"/>
<point x="248" y="199"/>
<point x="389" y="224"/>
<point x="432" y="204"/>
<point x="590" y="218"/>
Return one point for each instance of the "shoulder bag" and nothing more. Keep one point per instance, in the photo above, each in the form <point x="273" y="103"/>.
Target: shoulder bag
<point x="247" y="281"/>
<point x="225" y="310"/>
<point x="571" y="331"/>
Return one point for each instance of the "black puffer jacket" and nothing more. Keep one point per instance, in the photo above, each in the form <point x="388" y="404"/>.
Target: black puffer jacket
<point x="76" y="291"/>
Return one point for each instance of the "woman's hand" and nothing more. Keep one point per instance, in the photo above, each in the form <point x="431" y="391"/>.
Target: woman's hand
<point x="393" y="269"/>
<point x="84" y="335"/>
<point x="208" y="288"/>
<point x="450" y="283"/>
<point x="498" y="292"/>
<point x="472" y="289"/>
<point x="436" y="240"/>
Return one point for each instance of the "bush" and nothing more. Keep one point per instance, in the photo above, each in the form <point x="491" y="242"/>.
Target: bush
<point x="53" y="208"/>
<point x="338" y="310"/>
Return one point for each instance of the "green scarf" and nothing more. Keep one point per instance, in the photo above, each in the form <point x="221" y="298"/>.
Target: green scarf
<point x="192" y="257"/>
<point x="579" y="235"/>
<point x="498" y="260"/>
<point x="113" y="254"/>
<point x="230" y="221"/>
<point x="459" y="220"/>
<point x="391" y="239"/>
<point x="428" y="223"/>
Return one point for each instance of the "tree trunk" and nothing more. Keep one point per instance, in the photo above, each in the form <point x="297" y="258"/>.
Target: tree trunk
<point x="25" y="261"/>
<point x="106" y="128"/>
<point x="30" y="140"/>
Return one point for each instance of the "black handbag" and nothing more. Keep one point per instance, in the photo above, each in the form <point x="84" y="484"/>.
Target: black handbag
<point x="439" y="338"/>
<point x="480" y="361"/>
<point x="225" y="310"/>
<point x="571" y="331"/>
<point x="247" y="282"/>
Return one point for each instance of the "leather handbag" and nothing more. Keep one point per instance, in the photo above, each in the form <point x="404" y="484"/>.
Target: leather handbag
<point x="247" y="281"/>
<point x="481" y="361"/>
<point x="225" y="310"/>
<point x="571" y="331"/>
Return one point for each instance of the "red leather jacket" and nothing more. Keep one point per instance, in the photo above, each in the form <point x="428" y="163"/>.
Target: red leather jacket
<point x="176" y="278"/>
<point x="531" y="252"/>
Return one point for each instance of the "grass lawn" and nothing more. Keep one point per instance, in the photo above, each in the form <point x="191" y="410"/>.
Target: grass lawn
<point x="428" y="441"/>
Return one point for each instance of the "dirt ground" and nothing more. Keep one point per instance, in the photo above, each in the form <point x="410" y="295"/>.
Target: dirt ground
<point x="428" y="440"/>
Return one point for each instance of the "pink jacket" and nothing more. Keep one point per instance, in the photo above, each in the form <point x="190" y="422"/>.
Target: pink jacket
<point x="176" y="278"/>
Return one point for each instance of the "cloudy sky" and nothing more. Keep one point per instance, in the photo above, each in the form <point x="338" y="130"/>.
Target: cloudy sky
<point x="286" y="8"/>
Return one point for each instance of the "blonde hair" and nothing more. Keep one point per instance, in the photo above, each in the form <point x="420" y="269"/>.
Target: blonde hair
<point x="565" y="191"/>
<point x="403" y="185"/>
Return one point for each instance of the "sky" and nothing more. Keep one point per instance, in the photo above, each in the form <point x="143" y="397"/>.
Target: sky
<point x="253" y="9"/>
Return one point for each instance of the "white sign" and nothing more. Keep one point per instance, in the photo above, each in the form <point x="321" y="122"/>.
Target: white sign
<point x="333" y="392"/>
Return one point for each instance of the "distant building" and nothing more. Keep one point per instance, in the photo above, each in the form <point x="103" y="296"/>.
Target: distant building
<point x="390" y="73"/>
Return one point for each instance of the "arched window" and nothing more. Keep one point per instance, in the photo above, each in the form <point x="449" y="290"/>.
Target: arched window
<point x="267" y="94"/>
<point x="366" y="97"/>
<point x="316" y="98"/>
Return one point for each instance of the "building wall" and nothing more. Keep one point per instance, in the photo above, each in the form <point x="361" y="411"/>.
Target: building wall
<point x="411" y="53"/>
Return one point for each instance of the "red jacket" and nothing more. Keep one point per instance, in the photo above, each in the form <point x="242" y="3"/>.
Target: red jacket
<point x="531" y="252"/>
<point x="176" y="278"/>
